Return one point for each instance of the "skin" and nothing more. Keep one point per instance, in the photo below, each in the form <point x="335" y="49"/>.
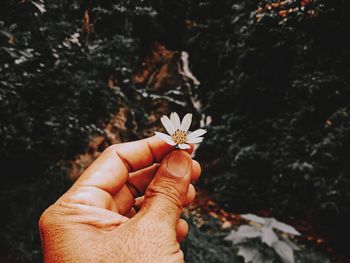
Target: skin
<point x="125" y="207"/>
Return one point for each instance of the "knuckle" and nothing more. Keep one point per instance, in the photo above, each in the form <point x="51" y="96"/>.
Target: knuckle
<point x="165" y="191"/>
<point x="112" y="148"/>
<point x="46" y="219"/>
<point x="54" y="216"/>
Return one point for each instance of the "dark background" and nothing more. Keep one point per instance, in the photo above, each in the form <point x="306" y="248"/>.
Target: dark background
<point x="274" y="80"/>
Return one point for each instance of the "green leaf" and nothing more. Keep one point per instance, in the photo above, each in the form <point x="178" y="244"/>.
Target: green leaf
<point x="40" y="6"/>
<point x="254" y="218"/>
<point x="248" y="253"/>
<point x="244" y="232"/>
<point x="268" y="235"/>
<point x="285" y="228"/>
<point x="284" y="251"/>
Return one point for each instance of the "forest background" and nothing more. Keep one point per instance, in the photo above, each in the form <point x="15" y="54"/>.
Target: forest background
<point x="269" y="79"/>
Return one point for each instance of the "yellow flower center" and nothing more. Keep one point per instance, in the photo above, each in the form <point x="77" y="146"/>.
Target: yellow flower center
<point x="179" y="137"/>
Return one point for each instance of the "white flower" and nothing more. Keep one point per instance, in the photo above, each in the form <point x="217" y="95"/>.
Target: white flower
<point x="178" y="131"/>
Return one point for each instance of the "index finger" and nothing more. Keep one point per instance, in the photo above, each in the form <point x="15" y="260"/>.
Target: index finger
<point x="110" y="171"/>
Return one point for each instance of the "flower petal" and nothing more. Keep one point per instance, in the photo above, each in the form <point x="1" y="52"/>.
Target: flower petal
<point x="186" y="122"/>
<point x="194" y="140"/>
<point x="167" y="124"/>
<point x="184" y="146"/>
<point x="175" y="120"/>
<point x="165" y="138"/>
<point x="162" y="136"/>
<point x="196" y="133"/>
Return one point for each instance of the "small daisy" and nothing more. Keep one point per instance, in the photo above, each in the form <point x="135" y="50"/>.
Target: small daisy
<point x="178" y="131"/>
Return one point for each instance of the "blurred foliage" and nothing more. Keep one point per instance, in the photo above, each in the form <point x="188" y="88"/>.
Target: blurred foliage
<point x="207" y="244"/>
<point x="65" y="66"/>
<point x="275" y="81"/>
<point x="22" y="205"/>
<point x="277" y="87"/>
<point x="57" y="61"/>
<point x="264" y="240"/>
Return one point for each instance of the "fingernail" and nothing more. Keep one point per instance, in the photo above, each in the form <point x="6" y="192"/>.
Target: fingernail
<point x="178" y="163"/>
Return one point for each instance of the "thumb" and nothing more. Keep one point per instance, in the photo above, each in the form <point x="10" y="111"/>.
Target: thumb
<point x="167" y="192"/>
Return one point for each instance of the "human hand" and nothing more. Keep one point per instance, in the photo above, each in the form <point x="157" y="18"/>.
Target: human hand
<point x="124" y="208"/>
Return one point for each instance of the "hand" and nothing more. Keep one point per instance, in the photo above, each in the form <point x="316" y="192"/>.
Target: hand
<point x="124" y="208"/>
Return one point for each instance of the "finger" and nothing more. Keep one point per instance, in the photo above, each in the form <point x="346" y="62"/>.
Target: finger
<point x="90" y="196"/>
<point x="131" y="213"/>
<point x="140" y="154"/>
<point x="124" y="200"/>
<point x="191" y="194"/>
<point x="137" y="184"/>
<point x="181" y="230"/>
<point x="82" y="214"/>
<point x="111" y="169"/>
<point x="196" y="170"/>
<point x="138" y="203"/>
<point x="167" y="192"/>
<point x="139" y="180"/>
